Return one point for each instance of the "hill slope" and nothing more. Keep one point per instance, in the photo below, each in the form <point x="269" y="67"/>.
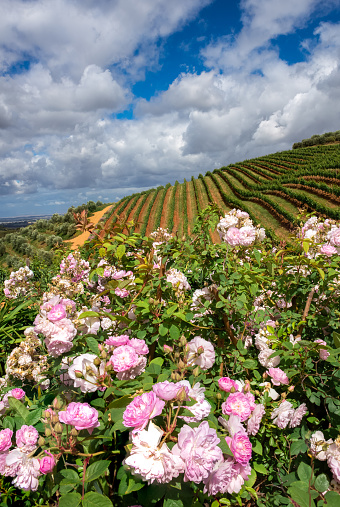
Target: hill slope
<point x="271" y="189"/>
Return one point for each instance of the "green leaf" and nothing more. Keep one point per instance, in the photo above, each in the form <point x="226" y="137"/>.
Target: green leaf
<point x="261" y="469"/>
<point x="120" y="402"/>
<point x="93" y="499"/>
<point x="174" y="332"/>
<point x="306" y="245"/>
<point x="257" y="256"/>
<point x="84" y="315"/>
<point x="257" y="448"/>
<point x="322" y="483"/>
<point x="336" y="339"/>
<point x="70" y="500"/>
<point x="96" y="469"/>
<point x="250" y="364"/>
<point x="33" y="417"/>
<point x="162" y="330"/>
<point x="297" y="447"/>
<point x="304" y="472"/>
<point x="172" y="309"/>
<point x="155" y="366"/>
<point x="301" y="495"/>
<point x="332" y="499"/>
<point x="120" y="251"/>
<point x="251" y="479"/>
<point x="92" y="344"/>
<point x="19" y="407"/>
<point x="133" y="486"/>
<point x="225" y="447"/>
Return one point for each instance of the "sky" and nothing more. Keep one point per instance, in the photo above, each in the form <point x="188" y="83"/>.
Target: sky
<point x="104" y="98"/>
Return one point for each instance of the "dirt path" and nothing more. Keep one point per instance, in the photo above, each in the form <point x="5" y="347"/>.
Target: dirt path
<point x="80" y="240"/>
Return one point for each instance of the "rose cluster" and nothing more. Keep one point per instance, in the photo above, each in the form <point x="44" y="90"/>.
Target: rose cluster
<point x="18" y="284"/>
<point x="237" y="229"/>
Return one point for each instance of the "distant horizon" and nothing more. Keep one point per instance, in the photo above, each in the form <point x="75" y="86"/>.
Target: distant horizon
<point x="99" y="100"/>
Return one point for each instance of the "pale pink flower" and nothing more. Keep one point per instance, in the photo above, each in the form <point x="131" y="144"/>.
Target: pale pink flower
<point x="5" y="439"/>
<point x="168" y="390"/>
<point x="334" y="236"/>
<point x="250" y="397"/>
<point x="26" y="438"/>
<point x="241" y="474"/>
<point x="283" y="414"/>
<point x="241" y="448"/>
<point x="139" y="345"/>
<point x="233" y="425"/>
<point x="28" y="471"/>
<point x="134" y="371"/>
<point x="17" y="393"/>
<point x="247" y="235"/>
<point x="237" y="404"/>
<point x="318" y="447"/>
<point x="80" y="415"/>
<point x="219" y="479"/>
<point x="142" y="408"/>
<point x="298" y="415"/>
<point x="266" y="361"/>
<point x="253" y="424"/>
<point x="199" y="410"/>
<point x="226" y="384"/>
<point x="328" y="250"/>
<point x="47" y="463"/>
<point x="151" y="462"/>
<point x="200" y="352"/>
<point x="199" y="450"/>
<point x="58" y="312"/>
<point x="123" y="358"/>
<point x="122" y="293"/>
<point x="232" y="236"/>
<point x="323" y="353"/>
<point x="278" y="376"/>
<point x="90" y="373"/>
<point x="116" y="341"/>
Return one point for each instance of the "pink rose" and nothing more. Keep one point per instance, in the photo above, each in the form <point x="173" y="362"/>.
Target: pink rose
<point x="247" y="235"/>
<point x="232" y="236"/>
<point x="122" y="293"/>
<point x="253" y="424"/>
<point x="323" y="353"/>
<point x="334" y="236"/>
<point x="80" y="415"/>
<point x="278" y="376"/>
<point x="58" y="312"/>
<point x="328" y="250"/>
<point x="5" y="439"/>
<point x="116" y="341"/>
<point x="17" y="393"/>
<point x="226" y="384"/>
<point x="237" y="404"/>
<point x="240" y="446"/>
<point x="169" y="390"/>
<point x="142" y="408"/>
<point x="27" y="437"/>
<point x="200" y="352"/>
<point x="139" y="345"/>
<point x="198" y="448"/>
<point x="47" y="463"/>
<point x="123" y="358"/>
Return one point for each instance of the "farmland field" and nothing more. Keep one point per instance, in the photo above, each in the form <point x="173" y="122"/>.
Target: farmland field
<point x="273" y="188"/>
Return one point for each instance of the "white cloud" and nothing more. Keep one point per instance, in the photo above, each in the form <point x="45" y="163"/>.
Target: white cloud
<point x="58" y="135"/>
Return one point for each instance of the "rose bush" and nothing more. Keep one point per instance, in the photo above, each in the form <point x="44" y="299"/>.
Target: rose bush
<point x="176" y="373"/>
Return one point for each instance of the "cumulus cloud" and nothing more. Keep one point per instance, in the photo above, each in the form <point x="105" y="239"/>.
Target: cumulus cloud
<point x="59" y="132"/>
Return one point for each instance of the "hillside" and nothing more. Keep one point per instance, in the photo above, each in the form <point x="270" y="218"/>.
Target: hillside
<point x="271" y="189"/>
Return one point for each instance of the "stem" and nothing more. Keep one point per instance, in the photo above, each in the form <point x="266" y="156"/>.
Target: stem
<point x="305" y="312"/>
<point x="225" y="320"/>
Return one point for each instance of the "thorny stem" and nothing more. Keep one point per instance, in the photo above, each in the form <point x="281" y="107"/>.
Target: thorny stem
<point x="305" y="312"/>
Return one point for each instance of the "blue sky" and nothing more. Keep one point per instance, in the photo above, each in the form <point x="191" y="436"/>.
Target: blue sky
<point x="100" y="99"/>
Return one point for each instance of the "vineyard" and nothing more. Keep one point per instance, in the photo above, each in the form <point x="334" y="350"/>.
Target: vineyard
<point x="271" y="189"/>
